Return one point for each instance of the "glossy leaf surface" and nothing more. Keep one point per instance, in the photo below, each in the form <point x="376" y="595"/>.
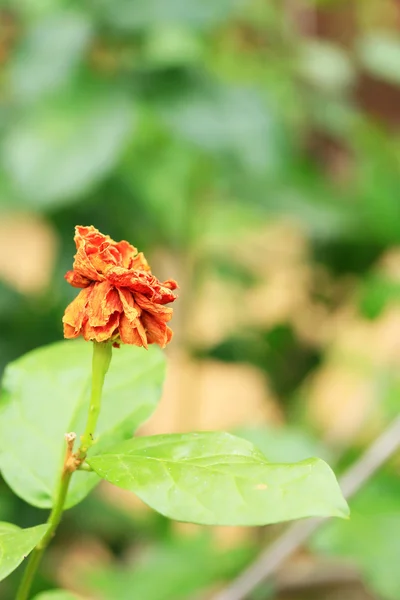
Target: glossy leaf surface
<point x="57" y="595"/>
<point x="216" y="478"/>
<point x="16" y="544"/>
<point x="46" y="394"/>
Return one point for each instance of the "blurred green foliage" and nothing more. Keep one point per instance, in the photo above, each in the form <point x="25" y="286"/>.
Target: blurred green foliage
<point x="376" y="518"/>
<point x="200" y="565"/>
<point x="183" y="126"/>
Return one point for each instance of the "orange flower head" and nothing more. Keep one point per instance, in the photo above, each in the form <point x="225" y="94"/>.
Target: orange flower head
<point x="120" y="300"/>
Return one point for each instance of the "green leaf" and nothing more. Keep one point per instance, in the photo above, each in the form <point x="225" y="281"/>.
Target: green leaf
<point x="46" y="394"/>
<point x="49" y="54"/>
<point x="56" y="595"/>
<point x="218" y="479"/>
<point x="16" y="544"/>
<point x="59" y="150"/>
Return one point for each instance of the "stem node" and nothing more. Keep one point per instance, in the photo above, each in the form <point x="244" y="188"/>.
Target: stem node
<point x="72" y="462"/>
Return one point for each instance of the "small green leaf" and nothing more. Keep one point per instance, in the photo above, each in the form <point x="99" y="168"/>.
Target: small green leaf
<point x="218" y="479"/>
<point x="56" y="595"/>
<point x="46" y="394"/>
<point x="16" y="544"/>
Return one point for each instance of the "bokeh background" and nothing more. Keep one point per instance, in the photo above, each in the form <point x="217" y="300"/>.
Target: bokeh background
<point x="251" y="149"/>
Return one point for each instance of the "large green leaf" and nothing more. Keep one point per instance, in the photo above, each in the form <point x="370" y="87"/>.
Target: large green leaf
<point x="59" y="150"/>
<point x="16" y="544"/>
<point x="46" y="393"/>
<point x="216" y="478"/>
<point x="56" y="595"/>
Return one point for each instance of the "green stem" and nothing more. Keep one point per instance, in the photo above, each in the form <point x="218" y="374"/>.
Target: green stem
<point x="37" y="553"/>
<point x="100" y="363"/>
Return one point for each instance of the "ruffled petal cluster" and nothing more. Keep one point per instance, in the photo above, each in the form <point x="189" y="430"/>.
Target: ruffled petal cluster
<point x="121" y="300"/>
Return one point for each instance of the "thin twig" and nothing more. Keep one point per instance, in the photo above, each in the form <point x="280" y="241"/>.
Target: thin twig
<point x="354" y="478"/>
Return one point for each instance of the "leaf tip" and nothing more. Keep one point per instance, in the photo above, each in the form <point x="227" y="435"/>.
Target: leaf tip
<point x="343" y="510"/>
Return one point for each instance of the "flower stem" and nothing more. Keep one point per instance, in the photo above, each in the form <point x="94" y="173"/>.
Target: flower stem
<point x="100" y="363"/>
<point x="37" y="553"/>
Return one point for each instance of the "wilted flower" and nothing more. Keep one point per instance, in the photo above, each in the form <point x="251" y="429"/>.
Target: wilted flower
<point x="121" y="300"/>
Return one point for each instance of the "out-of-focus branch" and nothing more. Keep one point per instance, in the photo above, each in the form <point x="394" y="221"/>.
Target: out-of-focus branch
<point x="354" y="478"/>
